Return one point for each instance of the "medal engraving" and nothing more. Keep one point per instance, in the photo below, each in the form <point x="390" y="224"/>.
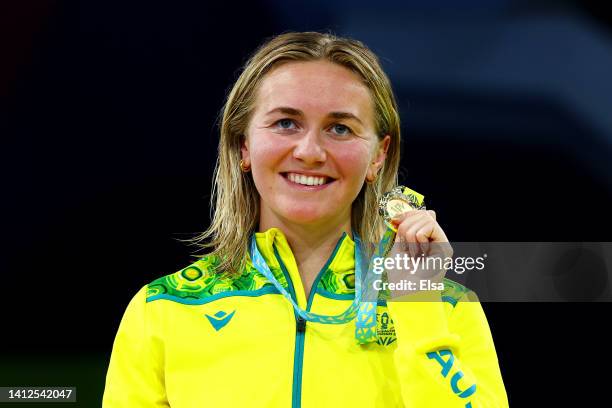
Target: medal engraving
<point x="398" y="201"/>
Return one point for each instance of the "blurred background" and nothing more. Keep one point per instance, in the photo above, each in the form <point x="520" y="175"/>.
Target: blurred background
<point x="108" y="132"/>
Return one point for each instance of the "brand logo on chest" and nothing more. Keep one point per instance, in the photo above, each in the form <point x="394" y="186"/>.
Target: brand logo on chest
<point x="220" y="319"/>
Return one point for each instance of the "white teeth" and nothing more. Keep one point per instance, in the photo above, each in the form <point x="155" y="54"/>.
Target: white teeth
<point x="306" y="180"/>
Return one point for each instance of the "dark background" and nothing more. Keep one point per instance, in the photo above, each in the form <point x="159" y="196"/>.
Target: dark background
<point x="108" y="130"/>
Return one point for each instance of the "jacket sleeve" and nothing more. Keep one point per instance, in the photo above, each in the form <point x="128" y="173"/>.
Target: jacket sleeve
<point x="445" y="358"/>
<point x="135" y="376"/>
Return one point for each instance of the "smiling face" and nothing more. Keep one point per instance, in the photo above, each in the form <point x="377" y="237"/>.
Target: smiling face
<point x="311" y="143"/>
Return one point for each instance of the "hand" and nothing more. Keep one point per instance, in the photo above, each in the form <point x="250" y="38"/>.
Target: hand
<point x="421" y="241"/>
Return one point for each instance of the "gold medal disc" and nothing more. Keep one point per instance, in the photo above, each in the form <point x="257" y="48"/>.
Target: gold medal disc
<point x="398" y="201"/>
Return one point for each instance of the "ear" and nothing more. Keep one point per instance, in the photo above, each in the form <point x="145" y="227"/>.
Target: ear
<point x="244" y="150"/>
<point x="380" y="154"/>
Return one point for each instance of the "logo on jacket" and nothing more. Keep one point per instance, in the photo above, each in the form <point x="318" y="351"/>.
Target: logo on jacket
<point x="220" y="319"/>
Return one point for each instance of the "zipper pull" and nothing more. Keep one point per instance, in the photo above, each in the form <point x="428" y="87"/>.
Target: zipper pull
<point x="300" y="324"/>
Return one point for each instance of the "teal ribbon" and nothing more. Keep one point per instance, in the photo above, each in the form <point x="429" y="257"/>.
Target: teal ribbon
<point x="365" y="330"/>
<point x="364" y="312"/>
<point x="349" y="314"/>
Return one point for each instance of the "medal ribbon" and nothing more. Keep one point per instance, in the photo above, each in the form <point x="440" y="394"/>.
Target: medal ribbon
<point x="364" y="312"/>
<point x="349" y="314"/>
<point x="365" y="330"/>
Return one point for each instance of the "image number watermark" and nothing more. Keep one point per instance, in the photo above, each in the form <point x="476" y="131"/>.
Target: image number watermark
<point x="37" y="394"/>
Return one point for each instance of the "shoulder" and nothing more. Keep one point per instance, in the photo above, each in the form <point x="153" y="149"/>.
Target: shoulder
<point x="453" y="292"/>
<point x="200" y="283"/>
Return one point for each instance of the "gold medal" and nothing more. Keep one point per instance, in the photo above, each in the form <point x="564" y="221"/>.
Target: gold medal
<point x="398" y="201"/>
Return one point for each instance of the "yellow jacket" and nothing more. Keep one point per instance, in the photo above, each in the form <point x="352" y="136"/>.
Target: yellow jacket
<point x="196" y="339"/>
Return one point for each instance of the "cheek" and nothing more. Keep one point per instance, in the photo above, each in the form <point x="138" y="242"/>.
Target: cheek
<point x="266" y="153"/>
<point x="265" y="149"/>
<point x="353" y="160"/>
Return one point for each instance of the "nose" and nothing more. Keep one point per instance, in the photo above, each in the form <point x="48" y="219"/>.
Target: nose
<point x="308" y="148"/>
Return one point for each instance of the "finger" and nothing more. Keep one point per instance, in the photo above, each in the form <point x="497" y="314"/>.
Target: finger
<point x="397" y="219"/>
<point x="400" y="244"/>
<point x="410" y="213"/>
<point x="438" y="234"/>
<point x="423" y="236"/>
<point x="409" y="219"/>
<point x="439" y="244"/>
<point x="418" y="235"/>
<point x="407" y="230"/>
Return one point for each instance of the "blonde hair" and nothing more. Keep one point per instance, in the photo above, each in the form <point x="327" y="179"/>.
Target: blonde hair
<point x="235" y="199"/>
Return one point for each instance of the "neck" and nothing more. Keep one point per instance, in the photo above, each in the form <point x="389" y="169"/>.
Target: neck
<point x="311" y="245"/>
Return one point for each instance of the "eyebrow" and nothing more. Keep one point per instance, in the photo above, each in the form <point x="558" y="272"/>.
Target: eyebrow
<point x="296" y="112"/>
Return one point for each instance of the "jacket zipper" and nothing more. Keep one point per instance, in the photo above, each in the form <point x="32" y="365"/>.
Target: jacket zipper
<point x="300" y="324"/>
<point x="300" y="335"/>
<point x="300" y="330"/>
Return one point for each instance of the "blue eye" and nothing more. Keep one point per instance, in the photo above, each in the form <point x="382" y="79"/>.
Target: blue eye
<point x="285" y="124"/>
<point x="341" y="129"/>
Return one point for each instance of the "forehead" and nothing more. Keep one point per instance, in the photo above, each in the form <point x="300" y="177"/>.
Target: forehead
<point x="315" y="87"/>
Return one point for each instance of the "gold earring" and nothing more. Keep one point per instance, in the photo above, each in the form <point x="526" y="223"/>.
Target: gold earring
<point x="243" y="168"/>
<point x="374" y="179"/>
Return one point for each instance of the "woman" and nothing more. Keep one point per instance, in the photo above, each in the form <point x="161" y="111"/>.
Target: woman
<point x="309" y="143"/>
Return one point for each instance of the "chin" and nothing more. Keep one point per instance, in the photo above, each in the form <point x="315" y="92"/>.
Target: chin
<point x="305" y="216"/>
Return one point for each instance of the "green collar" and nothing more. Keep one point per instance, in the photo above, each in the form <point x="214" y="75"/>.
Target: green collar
<point x="337" y="277"/>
